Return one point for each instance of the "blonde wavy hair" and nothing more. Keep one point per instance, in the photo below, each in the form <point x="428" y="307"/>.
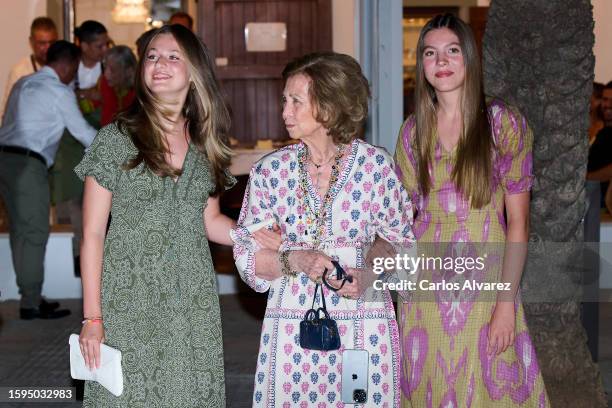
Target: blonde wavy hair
<point x="206" y="116"/>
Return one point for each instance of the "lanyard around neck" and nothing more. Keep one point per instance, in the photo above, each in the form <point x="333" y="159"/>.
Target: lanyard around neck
<point x="34" y="67"/>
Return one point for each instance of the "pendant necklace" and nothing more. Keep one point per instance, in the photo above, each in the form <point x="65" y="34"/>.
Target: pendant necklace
<point x="319" y="171"/>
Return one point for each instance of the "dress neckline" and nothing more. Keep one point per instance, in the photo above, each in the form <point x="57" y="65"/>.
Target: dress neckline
<point x="443" y="150"/>
<point x="176" y="180"/>
<point x="313" y="197"/>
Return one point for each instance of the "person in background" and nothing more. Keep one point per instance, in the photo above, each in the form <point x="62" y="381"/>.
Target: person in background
<point x="593" y="187"/>
<point x="39" y="108"/>
<point x="599" y="194"/>
<point x="595" y="111"/>
<point x="466" y="163"/>
<point x="66" y="188"/>
<point x="92" y="38"/>
<point x="182" y="18"/>
<point x="117" y="84"/>
<point x="599" y="167"/>
<point x="43" y="33"/>
<point x="589" y="312"/>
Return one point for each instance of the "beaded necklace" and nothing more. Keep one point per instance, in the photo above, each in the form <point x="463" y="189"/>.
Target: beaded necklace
<point x="315" y="221"/>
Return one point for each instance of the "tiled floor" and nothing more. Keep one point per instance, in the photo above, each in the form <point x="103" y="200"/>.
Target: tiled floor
<point x="35" y="353"/>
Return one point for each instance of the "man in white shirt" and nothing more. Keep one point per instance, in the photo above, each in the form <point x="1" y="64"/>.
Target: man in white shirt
<point x="40" y="106"/>
<point x="93" y="39"/>
<point x="42" y="34"/>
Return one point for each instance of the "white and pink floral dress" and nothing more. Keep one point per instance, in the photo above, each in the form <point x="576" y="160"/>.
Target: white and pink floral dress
<point x="367" y="199"/>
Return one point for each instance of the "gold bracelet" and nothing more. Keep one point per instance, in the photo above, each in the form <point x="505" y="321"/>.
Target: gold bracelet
<point x="283" y="258"/>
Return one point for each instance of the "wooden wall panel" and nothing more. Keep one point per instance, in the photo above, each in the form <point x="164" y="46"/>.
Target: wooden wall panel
<point x="252" y="80"/>
<point x="478" y="22"/>
<point x="306" y="29"/>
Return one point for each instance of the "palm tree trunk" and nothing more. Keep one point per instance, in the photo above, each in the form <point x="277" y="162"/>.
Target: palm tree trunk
<point x="538" y="56"/>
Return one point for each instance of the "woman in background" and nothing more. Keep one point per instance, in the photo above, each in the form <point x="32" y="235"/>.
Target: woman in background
<point x="117" y="82"/>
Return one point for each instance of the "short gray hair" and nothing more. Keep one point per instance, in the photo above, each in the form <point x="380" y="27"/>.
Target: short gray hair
<point x="124" y="56"/>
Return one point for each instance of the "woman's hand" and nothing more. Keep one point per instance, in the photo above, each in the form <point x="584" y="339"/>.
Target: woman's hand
<point x="92" y="334"/>
<point x="501" y="328"/>
<point x="269" y="239"/>
<point x="379" y="249"/>
<point x="312" y="263"/>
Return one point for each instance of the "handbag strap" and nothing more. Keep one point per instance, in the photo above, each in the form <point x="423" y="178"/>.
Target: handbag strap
<point x="340" y="275"/>
<point x="322" y="297"/>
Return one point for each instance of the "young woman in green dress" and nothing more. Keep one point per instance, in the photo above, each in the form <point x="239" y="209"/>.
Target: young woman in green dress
<point x="149" y="286"/>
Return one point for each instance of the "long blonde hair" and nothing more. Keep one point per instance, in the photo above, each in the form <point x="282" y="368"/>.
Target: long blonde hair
<point x="472" y="169"/>
<point x="206" y="116"/>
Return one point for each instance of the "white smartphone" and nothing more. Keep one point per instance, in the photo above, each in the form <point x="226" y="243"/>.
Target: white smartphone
<point x="355" y="376"/>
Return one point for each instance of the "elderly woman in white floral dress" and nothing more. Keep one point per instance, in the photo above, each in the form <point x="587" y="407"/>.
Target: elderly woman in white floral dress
<point x="331" y="195"/>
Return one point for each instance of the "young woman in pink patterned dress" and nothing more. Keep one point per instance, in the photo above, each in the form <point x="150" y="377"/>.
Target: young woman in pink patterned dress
<point x="331" y="193"/>
<point x="465" y="163"/>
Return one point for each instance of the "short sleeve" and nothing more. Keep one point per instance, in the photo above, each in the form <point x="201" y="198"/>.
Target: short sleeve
<point x="513" y="141"/>
<point x="256" y="208"/>
<point x="405" y="162"/>
<point x="230" y="180"/>
<point x="391" y="206"/>
<point x="105" y="157"/>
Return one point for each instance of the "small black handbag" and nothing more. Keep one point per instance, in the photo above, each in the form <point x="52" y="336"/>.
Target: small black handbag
<point x="316" y="332"/>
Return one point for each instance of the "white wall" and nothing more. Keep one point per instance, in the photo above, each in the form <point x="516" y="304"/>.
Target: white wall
<point x="602" y="10"/>
<point x="344" y="25"/>
<point x="100" y="10"/>
<point x="15" y="21"/>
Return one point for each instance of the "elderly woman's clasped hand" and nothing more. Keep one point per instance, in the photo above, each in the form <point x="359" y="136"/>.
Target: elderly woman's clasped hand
<point x="312" y="263"/>
<point x="315" y="263"/>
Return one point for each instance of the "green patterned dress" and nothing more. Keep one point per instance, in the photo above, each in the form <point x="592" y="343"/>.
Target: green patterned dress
<point x="159" y="291"/>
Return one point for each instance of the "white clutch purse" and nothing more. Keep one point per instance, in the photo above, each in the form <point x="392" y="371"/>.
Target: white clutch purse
<point x="109" y="374"/>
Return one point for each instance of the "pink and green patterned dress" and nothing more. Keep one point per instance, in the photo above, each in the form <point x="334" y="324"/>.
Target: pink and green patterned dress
<point x="444" y="342"/>
<point x="367" y="200"/>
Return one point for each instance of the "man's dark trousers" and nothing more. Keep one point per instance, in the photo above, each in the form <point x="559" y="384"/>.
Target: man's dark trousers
<point x="24" y="188"/>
